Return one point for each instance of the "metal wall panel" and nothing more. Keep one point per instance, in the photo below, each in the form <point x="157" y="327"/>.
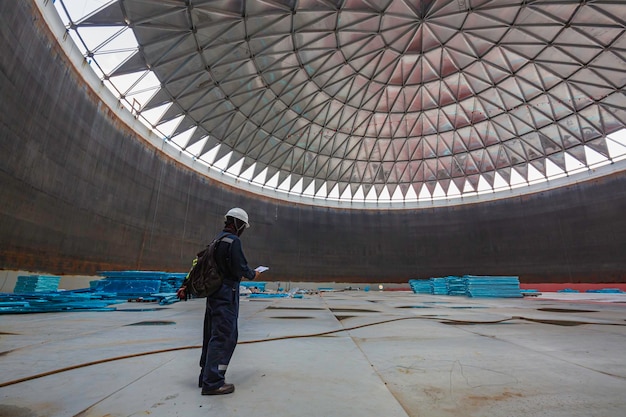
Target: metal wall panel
<point x="81" y="193"/>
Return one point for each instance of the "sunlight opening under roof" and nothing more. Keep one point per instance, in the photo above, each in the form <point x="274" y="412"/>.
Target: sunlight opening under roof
<point x="553" y="171"/>
<point x="358" y="194"/>
<point x="182" y="138"/>
<point x="321" y="193"/>
<point x="346" y="195"/>
<point x="297" y="188"/>
<point x="499" y="182"/>
<point x="248" y="173"/>
<point x="334" y="193"/>
<point x="310" y="190"/>
<point x="424" y="194"/>
<point x="516" y="179"/>
<point x="273" y="182"/>
<point x="235" y="169"/>
<point x="572" y="164"/>
<point x="197" y="147"/>
<point x="534" y="174"/>
<point x="284" y="186"/>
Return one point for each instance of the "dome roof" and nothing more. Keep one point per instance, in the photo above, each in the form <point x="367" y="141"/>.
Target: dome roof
<point x="370" y="99"/>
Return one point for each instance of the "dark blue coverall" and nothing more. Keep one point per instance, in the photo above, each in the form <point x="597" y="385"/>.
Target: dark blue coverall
<point x="222" y="310"/>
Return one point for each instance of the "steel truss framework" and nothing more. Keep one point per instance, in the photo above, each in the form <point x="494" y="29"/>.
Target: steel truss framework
<point x="372" y="99"/>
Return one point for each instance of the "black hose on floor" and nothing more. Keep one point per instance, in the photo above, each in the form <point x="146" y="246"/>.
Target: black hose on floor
<point x="153" y="352"/>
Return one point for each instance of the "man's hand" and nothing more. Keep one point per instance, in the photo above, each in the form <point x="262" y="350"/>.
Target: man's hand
<point x="256" y="274"/>
<point x="182" y="293"/>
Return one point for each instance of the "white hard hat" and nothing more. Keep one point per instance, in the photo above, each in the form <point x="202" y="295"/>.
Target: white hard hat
<point x="238" y="213"/>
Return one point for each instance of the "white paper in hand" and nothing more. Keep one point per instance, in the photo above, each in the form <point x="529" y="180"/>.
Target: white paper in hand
<point x="261" y="268"/>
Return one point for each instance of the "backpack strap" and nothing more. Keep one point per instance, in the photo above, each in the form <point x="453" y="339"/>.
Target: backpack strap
<point x="223" y="237"/>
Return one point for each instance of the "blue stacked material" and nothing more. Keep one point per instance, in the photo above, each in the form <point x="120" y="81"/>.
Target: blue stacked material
<point x="456" y="285"/>
<point x="171" y="283"/>
<point x="165" y="298"/>
<point x="9" y="301"/>
<point x="139" y="283"/>
<point x="55" y="302"/>
<point x="421" y="286"/>
<point x="129" y="288"/>
<point x="269" y="295"/>
<point x="250" y="284"/>
<point x="567" y="290"/>
<point x="36" y="283"/>
<point x="607" y="290"/>
<point x="115" y="287"/>
<point x="439" y="286"/>
<point x="493" y="286"/>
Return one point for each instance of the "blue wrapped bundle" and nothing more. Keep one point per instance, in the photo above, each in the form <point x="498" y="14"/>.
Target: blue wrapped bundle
<point x="607" y="291"/>
<point x="250" y="284"/>
<point x="139" y="283"/>
<point x="36" y="283"/>
<point x="421" y="286"/>
<point x="456" y="285"/>
<point x="439" y="286"/>
<point x="493" y="286"/>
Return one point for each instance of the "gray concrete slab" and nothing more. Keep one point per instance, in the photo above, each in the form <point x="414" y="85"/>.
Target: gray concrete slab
<point x="332" y="354"/>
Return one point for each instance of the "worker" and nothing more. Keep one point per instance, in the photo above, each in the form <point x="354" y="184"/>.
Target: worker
<point x="222" y="308"/>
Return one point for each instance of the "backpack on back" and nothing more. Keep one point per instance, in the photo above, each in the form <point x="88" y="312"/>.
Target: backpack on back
<point x="204" y="278"/>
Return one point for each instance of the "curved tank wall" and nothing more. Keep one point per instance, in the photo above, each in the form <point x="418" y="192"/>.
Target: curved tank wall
<point x="81" y="193"/>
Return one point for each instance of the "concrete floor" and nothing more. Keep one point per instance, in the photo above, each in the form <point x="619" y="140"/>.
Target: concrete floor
<point x="362" y="354"/>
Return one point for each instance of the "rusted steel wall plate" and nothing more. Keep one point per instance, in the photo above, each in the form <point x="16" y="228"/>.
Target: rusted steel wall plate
<point x="81" y="193"/>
